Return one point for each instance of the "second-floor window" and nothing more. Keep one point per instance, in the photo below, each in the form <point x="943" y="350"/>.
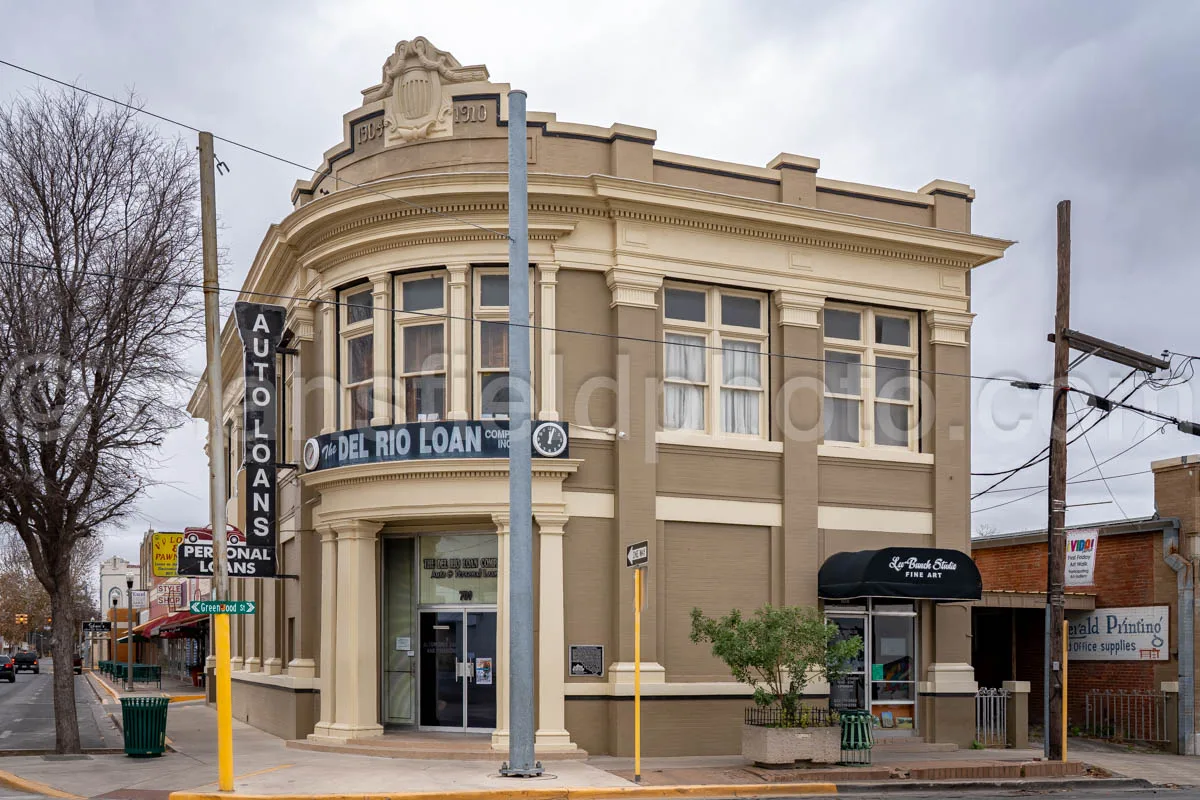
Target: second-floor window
<point x="491" y="344"/>
<point x="714" y="360"/>
<point x="421" y="347"/>
<point x="870" y="377"/>
<point x="357" y="356"/>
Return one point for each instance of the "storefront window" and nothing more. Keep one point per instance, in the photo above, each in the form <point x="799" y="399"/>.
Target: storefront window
<point x="459" y="568"/>
<point x="884" y="676"/>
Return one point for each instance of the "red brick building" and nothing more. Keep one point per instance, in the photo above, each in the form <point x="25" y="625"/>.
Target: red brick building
<point x="1131" y="571"/>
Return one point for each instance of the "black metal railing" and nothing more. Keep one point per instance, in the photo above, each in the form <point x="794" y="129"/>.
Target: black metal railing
<point x="804" y="717"/>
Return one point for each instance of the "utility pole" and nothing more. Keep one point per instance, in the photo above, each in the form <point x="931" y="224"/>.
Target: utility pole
<point x="521" y="762"/>
<point x="216" y="459"/>
<point x="1057" y="504"/>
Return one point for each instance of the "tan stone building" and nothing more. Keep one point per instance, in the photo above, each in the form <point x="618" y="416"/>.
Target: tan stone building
<point x="757" y="368"/>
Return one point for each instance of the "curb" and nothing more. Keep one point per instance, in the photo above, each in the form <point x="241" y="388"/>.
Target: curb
<point x="1034" y="785"/>
<point x="564" y="793"/>
<point x="104" y="685"/>
<point x="10" y="781"/>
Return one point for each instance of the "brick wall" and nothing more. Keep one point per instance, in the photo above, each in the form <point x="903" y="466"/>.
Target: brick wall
<point x="1129" y="572"/>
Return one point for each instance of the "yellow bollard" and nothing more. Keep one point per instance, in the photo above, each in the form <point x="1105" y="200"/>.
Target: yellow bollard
<point x="224" y="705"/>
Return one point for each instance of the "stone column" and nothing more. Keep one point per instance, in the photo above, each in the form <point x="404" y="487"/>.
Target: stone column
<point x="252" y="590"/>
<point x="636" y="315"/>
<point x="382" y="317"/>
<point x="500" y="735"/>
<point x="357" y="635"/>
<point x="329" y="346"/>
<point x="950" y="679"/>
<point x="272" y="635"/>
<point x="459" y="367"/>
<point x="552" y="641"/>
<point x="799" y="425"/>
<point x="547" y="373"/>
<point x="1017" y="714"/>
<point x="328" y="665"/>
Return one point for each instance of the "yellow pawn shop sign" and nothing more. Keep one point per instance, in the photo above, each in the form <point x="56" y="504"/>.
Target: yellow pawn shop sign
<point x="165" y="553"/>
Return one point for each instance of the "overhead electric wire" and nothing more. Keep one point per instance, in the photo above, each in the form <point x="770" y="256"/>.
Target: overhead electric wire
<point x="1099" y="472"/>
<point x="469" y="318"/>
<point x="1085" y="480"/>
<point x="1042" y="490"/>
<point x="247" y="147"/>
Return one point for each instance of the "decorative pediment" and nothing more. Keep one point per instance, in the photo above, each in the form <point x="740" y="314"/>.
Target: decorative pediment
<point x="413" y="90"/>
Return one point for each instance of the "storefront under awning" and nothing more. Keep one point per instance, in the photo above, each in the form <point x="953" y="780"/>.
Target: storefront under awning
<point x="921" y="573"/>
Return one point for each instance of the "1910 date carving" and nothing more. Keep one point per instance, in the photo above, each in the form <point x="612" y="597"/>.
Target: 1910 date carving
<point x="470" y="112"/>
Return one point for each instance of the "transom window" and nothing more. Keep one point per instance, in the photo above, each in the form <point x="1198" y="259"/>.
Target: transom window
<point x="357" y="355"/>
<point x="714" y="360"/>
<point x="421" y="346"/>
<point x="870" y="377"/>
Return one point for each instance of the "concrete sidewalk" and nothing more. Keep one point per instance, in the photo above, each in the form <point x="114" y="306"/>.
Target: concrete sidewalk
<point x="177" y="690"/>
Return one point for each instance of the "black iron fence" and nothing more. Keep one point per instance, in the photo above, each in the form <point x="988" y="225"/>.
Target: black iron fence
<point x="804" y="717"/>
<point x="1138" y="716"/>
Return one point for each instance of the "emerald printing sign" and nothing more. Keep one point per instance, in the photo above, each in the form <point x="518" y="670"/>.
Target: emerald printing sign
<point x="1120" y="634"/>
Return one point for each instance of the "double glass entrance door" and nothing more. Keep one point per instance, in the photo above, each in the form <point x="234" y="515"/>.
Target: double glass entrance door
<point x="457" y="675"/>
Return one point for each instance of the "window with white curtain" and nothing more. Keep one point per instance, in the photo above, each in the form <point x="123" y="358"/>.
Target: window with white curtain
<point x="491" y="342"/>
<point x="421" y="346"/>
<point x="870" y="377"/>
<point x="714" y="360"/>
<point x="357" y="355"/>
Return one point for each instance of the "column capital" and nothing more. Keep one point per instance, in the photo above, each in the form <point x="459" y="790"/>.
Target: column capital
<point x="300" y="322"/>
<point x="458" y="273"/>
<point x="328" y="298"/>
<point x="551" y="524"/>
<point x="380" y="283"/>
<point x="548" y="273"/>
<point x="357" y="529"/>
<point x="949" y="327"/>
<point x="502" y="524"/>
<point x="631" y="288"/>
<point x="327" y="533"/>
<point x="799" y="309"/>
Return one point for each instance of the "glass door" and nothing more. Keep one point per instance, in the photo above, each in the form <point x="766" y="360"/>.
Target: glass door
<point x="458" y="669"/>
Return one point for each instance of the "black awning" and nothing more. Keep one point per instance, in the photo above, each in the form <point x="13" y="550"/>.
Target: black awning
<point x="916" y="572"/>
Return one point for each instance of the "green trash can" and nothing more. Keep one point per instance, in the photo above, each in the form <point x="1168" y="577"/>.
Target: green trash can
<point x="144" y="721"/>
<point x="857" y="738"/>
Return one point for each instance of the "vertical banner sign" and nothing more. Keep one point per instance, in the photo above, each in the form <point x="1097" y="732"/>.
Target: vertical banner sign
<point x="1081" y="557"/>
<point x="261" y="329"/>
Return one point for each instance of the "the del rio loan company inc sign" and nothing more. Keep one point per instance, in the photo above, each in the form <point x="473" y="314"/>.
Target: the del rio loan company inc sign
<point x="416" y="441"/>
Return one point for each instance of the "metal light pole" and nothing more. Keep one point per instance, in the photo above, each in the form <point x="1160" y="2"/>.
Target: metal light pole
<point x="129" y="641"/>
<point x="521" y="762"/>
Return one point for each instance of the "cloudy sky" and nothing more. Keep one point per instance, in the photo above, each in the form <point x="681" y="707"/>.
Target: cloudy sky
<point x="1029" y="102"/>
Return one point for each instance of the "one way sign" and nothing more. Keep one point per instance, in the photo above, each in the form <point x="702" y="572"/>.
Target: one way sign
<point x="637" y="554"/>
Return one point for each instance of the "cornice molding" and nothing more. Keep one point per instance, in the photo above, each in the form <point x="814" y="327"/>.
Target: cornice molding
<point x="947" y="327"/>
<point x="798" y="309"/>
<point x="631" y="288"/>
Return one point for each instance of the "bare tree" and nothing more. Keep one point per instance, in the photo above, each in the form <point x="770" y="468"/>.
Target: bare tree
<point x="99" y="242"/>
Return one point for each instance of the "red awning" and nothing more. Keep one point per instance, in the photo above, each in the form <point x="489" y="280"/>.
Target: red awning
<point x="166" y="622"/>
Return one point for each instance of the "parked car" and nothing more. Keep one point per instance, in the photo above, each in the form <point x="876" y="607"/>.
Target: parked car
<point x="233" y="535"/>
<point x="77" y="663"/>
<point x="8" y="670"/>
<point x="27" y="661"/>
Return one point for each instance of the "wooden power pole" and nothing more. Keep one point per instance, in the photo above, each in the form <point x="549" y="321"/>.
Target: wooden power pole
<point x="1057" y="511"/>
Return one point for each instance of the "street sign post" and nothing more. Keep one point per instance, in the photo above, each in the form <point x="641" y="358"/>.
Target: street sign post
<point x="222" y="606"/>
<point x="637" y="556"/>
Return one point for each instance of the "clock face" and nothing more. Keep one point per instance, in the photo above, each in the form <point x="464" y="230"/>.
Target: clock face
<point x="550" y="440"/>
<point x="312" y="454"/>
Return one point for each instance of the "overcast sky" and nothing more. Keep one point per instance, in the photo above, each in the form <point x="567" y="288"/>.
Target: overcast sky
<point x="1028" y="102"/>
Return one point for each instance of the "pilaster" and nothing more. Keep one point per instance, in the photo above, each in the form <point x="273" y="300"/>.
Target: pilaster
<point x="552" y="641"/>
<point x="547" y="373"/>
<point x="356" y="682"/>
<point x="328" y="665"/>
<point x="381" y="300"/>
<point x="798" y="424"/>
<point x="329" y="345"/>
<point x="253" y="623"/>
<point x="460" y="336"/>
<point x="500" y="735"/>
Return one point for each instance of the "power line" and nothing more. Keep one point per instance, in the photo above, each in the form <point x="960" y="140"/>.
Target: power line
<point x="1097" y="463"/>
<point x="1042" y="490"/>
<point x="248" y="148"/>
<point x="1084" y="480"/>
<point x="473" y="319"/>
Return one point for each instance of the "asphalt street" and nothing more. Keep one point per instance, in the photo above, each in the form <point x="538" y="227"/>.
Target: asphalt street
<point x="27" y="713"/>
<point x="1081" y="794"/>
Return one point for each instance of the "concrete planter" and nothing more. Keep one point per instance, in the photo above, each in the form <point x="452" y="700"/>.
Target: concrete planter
<point x="784" y="747"/>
